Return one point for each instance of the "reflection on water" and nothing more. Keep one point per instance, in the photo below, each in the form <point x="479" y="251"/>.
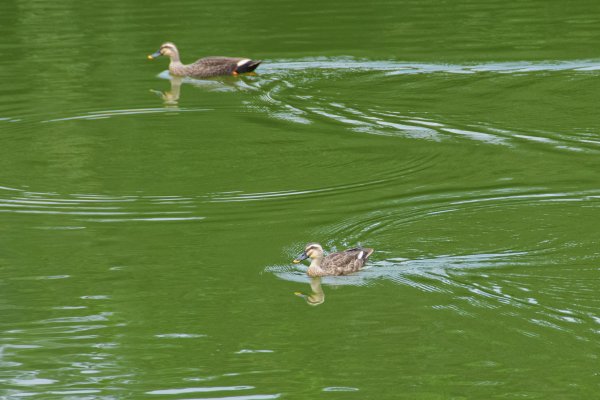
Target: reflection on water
<point x="317" y="296"/>
<point x="213" y="84"/>
<point x="135" y="229"/>
<point x="171" y="97"/>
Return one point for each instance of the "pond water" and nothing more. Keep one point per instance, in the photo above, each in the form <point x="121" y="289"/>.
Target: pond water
<point x="147" y="224"/>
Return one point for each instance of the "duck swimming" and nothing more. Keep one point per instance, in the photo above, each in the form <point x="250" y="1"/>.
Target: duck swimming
<point x="204" y="67"/>
<point x="341" y="263"/>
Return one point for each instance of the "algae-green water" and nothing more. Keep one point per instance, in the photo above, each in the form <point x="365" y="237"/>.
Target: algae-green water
<point x="147" y="224"/>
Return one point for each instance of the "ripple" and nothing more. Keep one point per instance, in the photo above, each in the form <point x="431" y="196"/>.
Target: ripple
<point x="349" y="64"/>
<point x="340" y="389"/>
<point x="33" y="382"/>
<point x="403" y="271"/>
<point x="94" y="115"/>
<point x="98" y="208"/>
<point x="455" y="206"/>
<point x="147" y="219"/>
<point x="201" y="389"/>
<point x="388" y="123"/>
<point x="180" y="336"/>
<point x="74" y="392"/>
<point x="284" y="88"/>
<point x="250" y="351"/>
<point x="104" y="316"/>
<point x="401" y="170"/>
<point x="500" y="277"/>
<point x="284" y="91"/>
<point x="287" y="90"/>
<point x="244" y="397"/>
<point x="242" y="197"/>
<point x="480" y="281"/>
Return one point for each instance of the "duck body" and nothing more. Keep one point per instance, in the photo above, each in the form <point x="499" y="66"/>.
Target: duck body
<point x="213" y="66"/>
<point x="340" y="263"/>
<point x="205" y="67"/>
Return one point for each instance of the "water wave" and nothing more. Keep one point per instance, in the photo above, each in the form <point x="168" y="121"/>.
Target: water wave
<point x="402" y="67"/>
<point x="98" y="208"/>
<point x="500" y="277"/>
<point x="290" y="92"/>
<point x="93" y="115"/>
<point x="285" y="90"/>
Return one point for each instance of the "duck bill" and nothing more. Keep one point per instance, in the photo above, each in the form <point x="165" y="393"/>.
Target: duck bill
<point x="154" y="55"/>
<point x="301" y="257"/>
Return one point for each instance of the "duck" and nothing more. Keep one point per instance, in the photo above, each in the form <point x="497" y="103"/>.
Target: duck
<point x="204" y="67"/>
<point x="340" y="263"/>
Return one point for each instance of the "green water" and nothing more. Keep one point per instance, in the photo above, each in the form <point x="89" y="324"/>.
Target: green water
<point x="147" y="225"/>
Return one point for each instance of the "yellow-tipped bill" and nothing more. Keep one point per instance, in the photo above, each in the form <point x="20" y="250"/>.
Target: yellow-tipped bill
<point x="154" y="55"/>
<point x="301" y="257"/>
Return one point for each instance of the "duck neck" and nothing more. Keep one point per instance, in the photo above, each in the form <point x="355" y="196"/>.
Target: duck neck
<point x="174" y="56"/>
<point x="315" y="267"/>
<point x="176" y="67"/>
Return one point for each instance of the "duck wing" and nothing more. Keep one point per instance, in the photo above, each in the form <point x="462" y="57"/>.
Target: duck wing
<point x="347" y="261"/>
<point x="213" y="66"/>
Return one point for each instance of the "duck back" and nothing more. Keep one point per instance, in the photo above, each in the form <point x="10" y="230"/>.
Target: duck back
<point x="346" y="262"/>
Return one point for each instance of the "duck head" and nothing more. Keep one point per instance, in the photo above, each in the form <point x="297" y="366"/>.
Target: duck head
<point x="166" y="49"/>
<point x="312" y="251"/>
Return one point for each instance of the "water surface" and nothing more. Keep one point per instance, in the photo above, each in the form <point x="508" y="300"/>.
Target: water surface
<point x="147" y="223"/>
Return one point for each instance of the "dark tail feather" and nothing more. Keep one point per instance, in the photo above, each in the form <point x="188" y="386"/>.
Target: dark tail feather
<point x="248" y="66"/>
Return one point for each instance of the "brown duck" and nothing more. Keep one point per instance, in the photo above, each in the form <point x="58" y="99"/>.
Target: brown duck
<point x="204" y="67"/>
<point x="342" y="263"/>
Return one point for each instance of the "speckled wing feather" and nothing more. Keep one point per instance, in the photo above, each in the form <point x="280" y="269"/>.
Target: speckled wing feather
<point x="346" y="262"/>
<point x="213" y="66"/>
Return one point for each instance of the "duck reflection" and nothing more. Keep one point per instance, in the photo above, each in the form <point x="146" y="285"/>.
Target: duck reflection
<point x="171" y="97"/>
<point x="317" y="296"/>
<point x="218" y="84"/>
